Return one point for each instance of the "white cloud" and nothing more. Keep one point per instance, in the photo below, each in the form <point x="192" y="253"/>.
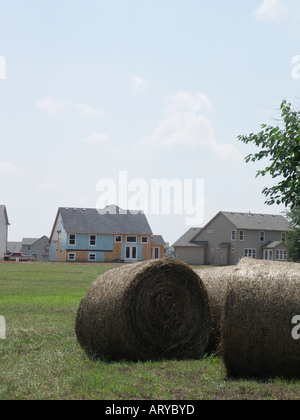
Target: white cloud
<point x="9" y="168"/>
<point x="53" y="185"/>
<point x="50" y="105"/>
<point x="187" y="102"/>
<point x="139" y="85"/>
<point x="271" y="10"/>
<point x="87" y="111"/>
<point x="187" y="128"/>
<point x="96" y="138"/>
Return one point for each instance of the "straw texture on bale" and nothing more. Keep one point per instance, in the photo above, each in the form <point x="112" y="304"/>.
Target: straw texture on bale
<point x="215" y="280"/>
<point x="262" y="299"/>
<point x="145" y="311"/>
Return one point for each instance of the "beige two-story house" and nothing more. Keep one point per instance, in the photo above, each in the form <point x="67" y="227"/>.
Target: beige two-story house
<point x="230" y="236"/>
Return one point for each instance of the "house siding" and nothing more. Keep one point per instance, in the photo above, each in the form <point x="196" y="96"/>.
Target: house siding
<point x="103" y="243"/>
<point x="106" y="248"/>
<point x="221" y="249"/>
<point x="3" y="233"/>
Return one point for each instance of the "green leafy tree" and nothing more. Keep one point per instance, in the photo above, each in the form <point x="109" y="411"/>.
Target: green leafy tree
<point x="282" y="147"/>
<point x="293" y="236"/>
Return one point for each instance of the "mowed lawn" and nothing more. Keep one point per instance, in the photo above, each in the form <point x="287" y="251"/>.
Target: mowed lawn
<point x="41" y="359"/>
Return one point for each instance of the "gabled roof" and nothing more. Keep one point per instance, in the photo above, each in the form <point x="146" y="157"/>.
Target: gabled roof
<point x="187" y="238"/>
<point x="257" y="221"/>
<point x="157" y="240"/>
<point x="111" y="220"/>
<point x="273" y="244"/>
<point x="29" y="241"/>
<point x="3" y="210"/>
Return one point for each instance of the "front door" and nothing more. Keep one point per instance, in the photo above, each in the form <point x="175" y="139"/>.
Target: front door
<point x="131" y="253"/>
<point x="268" y="255"/>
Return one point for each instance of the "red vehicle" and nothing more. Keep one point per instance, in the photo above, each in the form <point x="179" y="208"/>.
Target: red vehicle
<point x="18" y="256"/>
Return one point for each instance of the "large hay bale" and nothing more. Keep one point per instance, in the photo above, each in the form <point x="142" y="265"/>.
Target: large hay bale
<point x="215" y="280"/>
<point x="262" y="299"/>
<point x="145" y="311"/>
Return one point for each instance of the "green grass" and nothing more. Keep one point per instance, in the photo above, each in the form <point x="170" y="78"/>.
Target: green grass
<point x="41" y="359"/>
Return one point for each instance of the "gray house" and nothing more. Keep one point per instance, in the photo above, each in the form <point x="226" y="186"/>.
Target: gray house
<point x="230" y="236"/>
<point x="37" y="247"/>
<point x="4" y="223"/>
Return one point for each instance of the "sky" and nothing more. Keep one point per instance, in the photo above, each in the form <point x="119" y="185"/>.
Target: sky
<point x="106" y="99"/>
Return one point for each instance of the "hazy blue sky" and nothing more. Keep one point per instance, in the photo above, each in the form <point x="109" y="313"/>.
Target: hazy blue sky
<point x="157" y="88"/>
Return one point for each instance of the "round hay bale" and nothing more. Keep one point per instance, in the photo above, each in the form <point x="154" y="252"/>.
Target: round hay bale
<point x="215" y="280"/>
<point x="262" y="299"/>
<point x="145" y="311"/>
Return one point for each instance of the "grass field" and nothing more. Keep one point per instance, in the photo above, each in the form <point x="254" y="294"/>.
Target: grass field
<point x="41" y="359"/>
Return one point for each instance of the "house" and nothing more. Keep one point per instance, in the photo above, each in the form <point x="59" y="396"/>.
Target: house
<point x="4" y="223"/>
<point x="37" y="247"/>
<point x="105" y="235"/>
<point x="230" y="236"/>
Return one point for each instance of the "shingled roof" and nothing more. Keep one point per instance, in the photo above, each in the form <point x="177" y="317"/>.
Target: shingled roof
<point x="110" y="220"/>
<point x="257" y="221"/>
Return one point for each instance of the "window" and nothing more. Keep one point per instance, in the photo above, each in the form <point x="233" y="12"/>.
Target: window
<point x="233" y="235"/>
<point x="118" y="238"/>
<point x="28" y="248"/>
<point x="71" y="257"/>
<point x="281" y="255"/>
<point x="155" y="253"/>
<point x="144" y="239"/>
<point x="92" y="257"/>
<point x="241" y="235"/>
<point x="283" y="237"/>
<point x="251" y="253"/>
<point x="72" y="239"/>
<point x="233" y="250"/>
<point x="268" y="254"/>
<point x="93" y="240"/>
<point x="218" y="250"/>
<point x="262" y="236"/>
<point x="131" y="239"/>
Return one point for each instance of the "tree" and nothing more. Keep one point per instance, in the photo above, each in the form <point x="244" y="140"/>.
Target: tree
<point x="293" y="236"/>
<point x="282" y="147"/>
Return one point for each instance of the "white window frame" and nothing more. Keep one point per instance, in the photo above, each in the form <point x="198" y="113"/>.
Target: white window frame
<point x="69" y="256"/>
<point x="89" y="256"/>
<point x="241" y="235"/>
<point x="250" y="253"/>
<point x="132" y="249"/>
<point x="262" y="236"/>
<point x="153" y="252"/>
<point x="118" y="236"/>
<point x="280" y="255"/>
<point x="283" y="237"/>
<point x="233" y="235"/>
<point x="268" y="254"/>
<point x="90" y="238"/>
<point x="69" y="239"/>
<point x="131" y="242"/>
<point x="144" y="242"/>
